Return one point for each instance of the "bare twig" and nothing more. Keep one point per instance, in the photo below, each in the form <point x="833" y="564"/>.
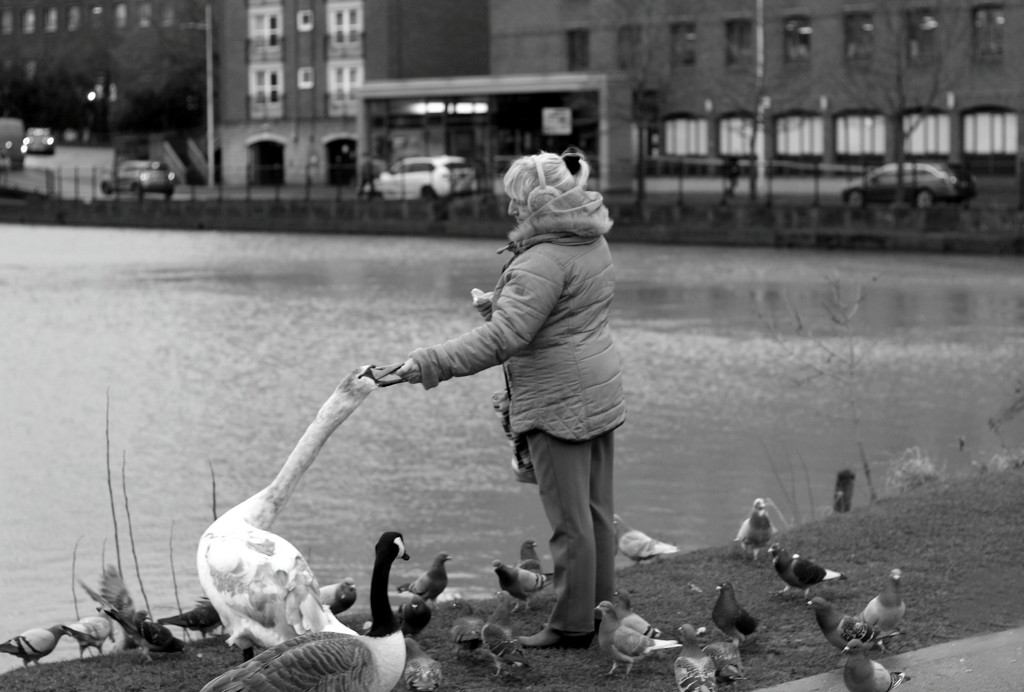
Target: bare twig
<point x="213" y="485"/>
<point x="174" y="577"/>
<point x="110" y="488"/>
<point x="131" y="534"/>
<point x="74" y="561"/>
<point x="791" y="501"/>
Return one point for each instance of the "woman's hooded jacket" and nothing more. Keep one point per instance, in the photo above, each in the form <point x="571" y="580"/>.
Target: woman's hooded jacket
<point x="549" y="325"/>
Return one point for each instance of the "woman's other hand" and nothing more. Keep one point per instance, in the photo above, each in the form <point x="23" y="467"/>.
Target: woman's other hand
<point x="482" y="302"/>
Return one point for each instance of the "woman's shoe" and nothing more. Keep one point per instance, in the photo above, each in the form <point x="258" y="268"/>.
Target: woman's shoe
<point x="549" y="638"/>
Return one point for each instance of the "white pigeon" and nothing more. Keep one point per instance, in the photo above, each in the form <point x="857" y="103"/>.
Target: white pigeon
<point x="91" y="632"/>
<point x="637" y="545"/>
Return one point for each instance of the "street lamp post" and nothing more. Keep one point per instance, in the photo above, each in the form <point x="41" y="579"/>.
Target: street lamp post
<point x="210" y="127"/>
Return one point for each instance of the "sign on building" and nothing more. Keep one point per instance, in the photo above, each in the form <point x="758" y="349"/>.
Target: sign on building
<point x="556" y="121"/>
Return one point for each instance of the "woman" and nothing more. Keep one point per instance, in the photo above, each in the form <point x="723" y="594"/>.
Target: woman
<point x="547" y="322"/>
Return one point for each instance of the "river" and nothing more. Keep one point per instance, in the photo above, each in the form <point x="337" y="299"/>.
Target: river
<point x="213" y="351"/>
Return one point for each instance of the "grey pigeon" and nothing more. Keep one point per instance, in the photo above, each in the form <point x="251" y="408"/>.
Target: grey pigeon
<point x="504" y="647"/>
<point x="431" y="583"/>
<point x="861" y="674"/>
<point x="756" y="531"/>
<point x="422" y="671"/>
<point x="886" y="610"/>
<point x="840" y="629"/>
<point x="730" y="617"/>
<point x="694" y="670"/>
<point x="624" y="611"/>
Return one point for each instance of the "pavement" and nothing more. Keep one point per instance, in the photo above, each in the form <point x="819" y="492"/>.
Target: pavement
<point x="986" y="663"/>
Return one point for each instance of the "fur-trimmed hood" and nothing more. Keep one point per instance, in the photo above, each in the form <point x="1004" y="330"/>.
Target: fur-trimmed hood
<point x="574" y="213"/>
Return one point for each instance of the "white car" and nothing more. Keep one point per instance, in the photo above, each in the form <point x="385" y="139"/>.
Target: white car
<point x="426" y="177"/>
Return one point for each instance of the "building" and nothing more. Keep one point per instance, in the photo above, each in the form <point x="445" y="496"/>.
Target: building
<point x="289" y="78"/>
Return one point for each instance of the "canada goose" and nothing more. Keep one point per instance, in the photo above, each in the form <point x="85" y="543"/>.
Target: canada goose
<point x="332" y="661"/>
<point x="259" y="583"/>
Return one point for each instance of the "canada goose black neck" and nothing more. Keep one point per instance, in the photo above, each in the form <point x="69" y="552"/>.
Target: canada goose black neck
<point x="390" y="547"/>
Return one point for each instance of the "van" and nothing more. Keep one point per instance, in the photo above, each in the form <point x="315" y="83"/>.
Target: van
<point x="12" y="133"/>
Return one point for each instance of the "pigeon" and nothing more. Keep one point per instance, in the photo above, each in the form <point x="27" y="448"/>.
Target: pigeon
<point x="863" y="675"/>
<point x="886" y="610"/>
<point x="91" y="632"/>
<point x="504" y="647"/>
<point x="421" y="672"/>
<point x="339" y="596"/>
<point x="528" y="558"/>
<point x="465" y="629"/>
<point x="519" y="583"/>
<point x="637" y="545"/>
<point x="840" y="629"/>
<point x="694" y="669"/>
<point x="431" y="583"/>
<point x="149" y="635"/>
<point x="624" y="611"/>
<point x="33" y="644"/>
<point x="756" y="531"/>
<point x="799" y="572"/>
<point x="203" y="618"/>
<point x="414" y="615"/>
<point x="730" y="617"/>
<point x="727" y="660"/>
<point x="622" y="644"/>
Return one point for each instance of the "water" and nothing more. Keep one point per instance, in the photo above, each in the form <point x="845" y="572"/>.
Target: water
<point x="214" y="351"/>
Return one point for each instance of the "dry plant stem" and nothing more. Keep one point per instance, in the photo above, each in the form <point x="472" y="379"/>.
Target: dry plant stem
<point x="213" y="488"/>
<point x="174" y="576"/>
<point x="790" y="500"/>
<point x="110" y="489"/>
<point x="131" y="534"/>
<point x="74" y="561"/>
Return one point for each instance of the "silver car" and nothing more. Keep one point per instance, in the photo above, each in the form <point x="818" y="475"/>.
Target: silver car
<point x="426" y="177"/>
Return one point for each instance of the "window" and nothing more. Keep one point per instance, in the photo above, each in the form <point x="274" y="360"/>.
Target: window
<point x="120" y="15"/>
<point x="860" y="135"/>
<point x="922" y="36"/>
<point x="73" y="17"/>
<point x="988" y="33"/>
<point x="686" y="136"/>
<point x="167" y="15"/>
<point x="799" y="135"/>
<point x="305" y="78"/>
<point x="28" y="21"/>
<point x="926" y="134"/>
<point x="684" y="43"/>
<point x="990" y="132"/>
<point x="859" y="35"/>
<point x="796" y="39"/>
<point x="345" y="24"/>
<point x="304" y="20"/>
<point x="265" y="29"/>
<point x="343" y="79"/>
<point x="578" y="49"/>
<point x="6" y="22"/>
<point x="266" y="85"/>
<point x="31" y="69"/>
<point x="51" y="19"/>
<point x="739" y="42"/>
<point x="145" y="14"/>
<point x="735" y="135"/>
<point x="628" y="47"/>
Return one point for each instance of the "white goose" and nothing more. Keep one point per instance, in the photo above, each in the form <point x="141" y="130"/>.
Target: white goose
<point x="330" y="661"/>
<point x="259" y="583"/>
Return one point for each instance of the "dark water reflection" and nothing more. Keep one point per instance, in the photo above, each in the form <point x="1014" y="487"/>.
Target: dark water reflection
<point x="217" y="349"/>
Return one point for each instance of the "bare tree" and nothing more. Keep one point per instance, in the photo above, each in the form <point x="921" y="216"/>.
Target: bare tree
<point x="903" y="68"/>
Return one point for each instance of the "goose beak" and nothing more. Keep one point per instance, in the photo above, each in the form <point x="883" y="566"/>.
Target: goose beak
<point x="383" y="375"/>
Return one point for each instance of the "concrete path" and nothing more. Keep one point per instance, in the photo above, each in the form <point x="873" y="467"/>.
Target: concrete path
<point x="986" y="663"/>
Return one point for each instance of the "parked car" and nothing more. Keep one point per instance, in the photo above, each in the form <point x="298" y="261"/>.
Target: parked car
<point x="38" y="140"/>
<point x="426" y="177"/>
<point x="139" y="176"/>
<point x="12" y="132"/>
<point x="924" y="184"/>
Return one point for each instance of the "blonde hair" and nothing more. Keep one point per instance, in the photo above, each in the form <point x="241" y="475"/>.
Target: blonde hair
<point x="536" y="180"/>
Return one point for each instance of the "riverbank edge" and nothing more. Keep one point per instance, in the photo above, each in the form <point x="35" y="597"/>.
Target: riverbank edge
<point x="957" y="541"/>
<point x="993" y="231"/>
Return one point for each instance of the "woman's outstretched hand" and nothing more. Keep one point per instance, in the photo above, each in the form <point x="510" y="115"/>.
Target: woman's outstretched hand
<point x="482" y="302"/>
<point x="410" y="372"/>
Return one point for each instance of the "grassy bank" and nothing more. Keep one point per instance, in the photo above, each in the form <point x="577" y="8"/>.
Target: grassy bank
<point x="958" y="543"/>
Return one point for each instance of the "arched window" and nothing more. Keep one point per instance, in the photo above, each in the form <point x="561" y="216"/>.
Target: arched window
<point x="990" y="140"/>
<point x="686" y="135"/>
<point x="799" y="136"/>
<point x="735" y="135"/>
<point x="926" y="134"/>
